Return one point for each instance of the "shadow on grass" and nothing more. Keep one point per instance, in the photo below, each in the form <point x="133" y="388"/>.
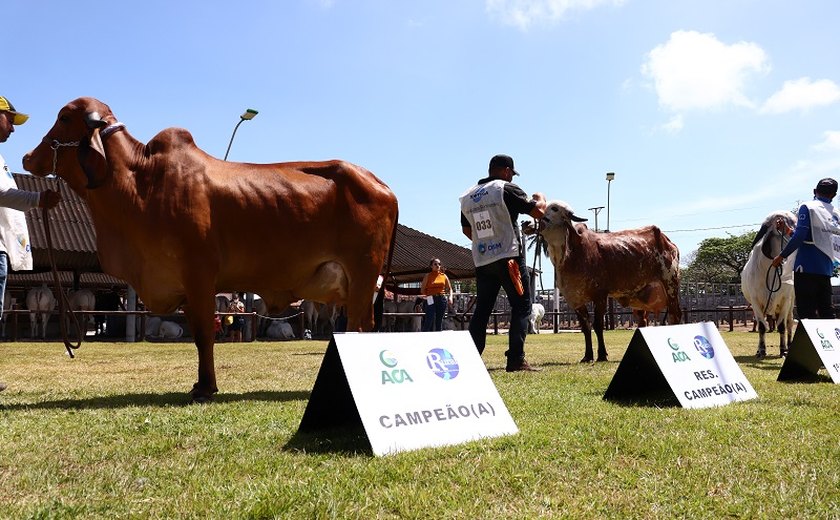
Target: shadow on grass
<point x="761" y="364"/>
<point x="551" y="364"/>
<point x="162" y="400"/>
<point x="337" y="441"/>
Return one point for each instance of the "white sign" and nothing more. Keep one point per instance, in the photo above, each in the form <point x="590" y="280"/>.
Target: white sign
<point x="690" y="363"/>
<point x="409" y="390"/>
<point x="815" y="344"/>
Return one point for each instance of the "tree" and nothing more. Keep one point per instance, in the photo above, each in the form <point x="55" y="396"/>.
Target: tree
<point x="719" y="259"/>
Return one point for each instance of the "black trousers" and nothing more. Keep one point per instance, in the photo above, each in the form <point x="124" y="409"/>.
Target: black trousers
<point x="489" y="279"/>
<point x="813" y="295"/>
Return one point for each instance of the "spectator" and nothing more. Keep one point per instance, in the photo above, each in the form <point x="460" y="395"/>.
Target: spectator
<point x="434" y="287"/>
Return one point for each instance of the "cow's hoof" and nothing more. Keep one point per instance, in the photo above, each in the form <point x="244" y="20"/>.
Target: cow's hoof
<point x="202" y="395"/>
<point x="761" y="354"/>
<point x="586" y="360"/>
<point x="602" y="358"/>
<point x="783" y="353"/>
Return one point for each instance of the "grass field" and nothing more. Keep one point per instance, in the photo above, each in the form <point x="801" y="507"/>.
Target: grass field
<point x="110" y="435"/>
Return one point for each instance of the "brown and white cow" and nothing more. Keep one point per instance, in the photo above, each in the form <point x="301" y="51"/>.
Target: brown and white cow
<point x="180" y="225"/>
<point x="637" y="267"/>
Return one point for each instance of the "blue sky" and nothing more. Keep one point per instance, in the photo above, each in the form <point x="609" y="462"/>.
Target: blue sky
<point x="711" y="113"/>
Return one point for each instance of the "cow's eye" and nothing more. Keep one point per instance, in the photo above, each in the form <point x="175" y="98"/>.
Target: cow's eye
<point x="63" y="119"/>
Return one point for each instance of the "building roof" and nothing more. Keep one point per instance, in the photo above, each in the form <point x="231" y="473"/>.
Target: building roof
<point x="74" y="243"/>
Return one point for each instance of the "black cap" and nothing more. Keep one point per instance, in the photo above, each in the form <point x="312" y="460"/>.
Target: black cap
<point x="827" y="186"/>
<point x="502" y="161"/>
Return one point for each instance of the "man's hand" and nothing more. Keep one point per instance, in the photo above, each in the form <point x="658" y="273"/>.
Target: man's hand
<point x="783" y="227"/>
<point x="49" y="199"/>
<point x="777" y="261"/>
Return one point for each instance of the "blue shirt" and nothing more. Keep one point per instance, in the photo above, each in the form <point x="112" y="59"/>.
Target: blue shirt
<point x="809" y="259"/>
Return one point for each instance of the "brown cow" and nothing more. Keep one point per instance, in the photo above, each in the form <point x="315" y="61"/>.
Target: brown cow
<point x="181" y="226"/>
<point x="637" y="267"/>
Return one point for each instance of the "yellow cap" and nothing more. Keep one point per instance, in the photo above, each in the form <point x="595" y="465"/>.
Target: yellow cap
<point x="6" y="106"/>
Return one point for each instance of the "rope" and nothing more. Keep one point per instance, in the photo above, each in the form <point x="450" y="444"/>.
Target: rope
<point x="285" y="318"/>
<point x="774" y="283"/>
<point x="63" y="305"/>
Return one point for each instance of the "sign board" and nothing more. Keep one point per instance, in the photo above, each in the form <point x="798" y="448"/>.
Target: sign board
<point x="686" y="364"/>
<point x="408" y="391"/>
<point x="815" y="344"/>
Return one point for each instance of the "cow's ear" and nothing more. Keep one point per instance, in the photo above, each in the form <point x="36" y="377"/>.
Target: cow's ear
<point x="92" y="159"/>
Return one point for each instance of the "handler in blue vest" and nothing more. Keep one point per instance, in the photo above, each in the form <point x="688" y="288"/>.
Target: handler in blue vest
<point x="489" y="212"/>
<point x="816" y="243"/>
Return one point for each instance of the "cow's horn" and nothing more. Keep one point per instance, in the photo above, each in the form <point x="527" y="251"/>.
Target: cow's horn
<point x="577" y="218"/>
<point x="94" y="120"/>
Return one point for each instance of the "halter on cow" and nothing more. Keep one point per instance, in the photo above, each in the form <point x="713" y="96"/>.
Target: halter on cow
<point x="180" y="225"/>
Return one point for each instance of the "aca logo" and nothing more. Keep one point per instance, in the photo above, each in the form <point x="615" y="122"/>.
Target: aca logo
<point x="482" y="248"/>
<point x="442" y="363"/>
<point x="677" y="354"/>
<point x="478" y="194"/>
<point x="704" y="347"/>
<point x="824" y="343"/>
<point x="394" y="375"/>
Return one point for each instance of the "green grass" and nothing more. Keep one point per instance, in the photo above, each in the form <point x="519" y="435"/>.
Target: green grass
<point x="110" y="435"/>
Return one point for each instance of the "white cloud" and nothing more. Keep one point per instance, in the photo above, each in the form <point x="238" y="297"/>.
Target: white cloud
<point x="695" y="70"/>
<point x="830" y="143"/>
<point x="674" y="125"/>
<point x="802" y="94"/>
<point x="524" y="13"/>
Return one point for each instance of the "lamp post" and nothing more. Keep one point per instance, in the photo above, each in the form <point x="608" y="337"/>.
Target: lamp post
<point x="610" y="177"/>
<point x="596" y="210"/>
<point x="248" y="115"/>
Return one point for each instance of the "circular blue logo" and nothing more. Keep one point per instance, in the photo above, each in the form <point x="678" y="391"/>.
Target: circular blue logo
<point x="442" y="363"/>
<point x="704" y="347"/>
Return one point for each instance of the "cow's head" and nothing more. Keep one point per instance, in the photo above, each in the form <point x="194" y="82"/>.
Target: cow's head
<point x="72" y="148"/>
<point x="770" y="238"/>
<point x="556" y="226"/>
<point x="558" y="214"/>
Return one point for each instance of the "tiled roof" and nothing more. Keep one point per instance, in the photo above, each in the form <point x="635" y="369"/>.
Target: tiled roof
<point x="74" y="242"/>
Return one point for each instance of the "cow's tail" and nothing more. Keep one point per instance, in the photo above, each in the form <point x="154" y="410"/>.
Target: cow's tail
<point x="379" y="302"/>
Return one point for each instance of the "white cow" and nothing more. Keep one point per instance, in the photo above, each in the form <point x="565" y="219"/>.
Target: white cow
<point x="169" y="330"/>
<point x="769" y="292"/>
<point x="389" y="323"/>
<point x="280" y="329"/>
<point x="409" y="323"/>
<point x="536" y="317"/>
<point x="152" y="326"/>
<point x="40" y="302"/>
<point x="82" y="300"/>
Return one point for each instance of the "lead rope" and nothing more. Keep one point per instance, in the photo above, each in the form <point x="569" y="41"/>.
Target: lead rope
<point x="63" y="305"/>
<point x="538" y="246"/>
<point x="774" y="283"/>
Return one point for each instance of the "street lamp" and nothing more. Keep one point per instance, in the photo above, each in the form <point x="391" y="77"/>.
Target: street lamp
<point x="596" y="210"/>
<point x="610" y="177"/>
<point x="247" y="116"/>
